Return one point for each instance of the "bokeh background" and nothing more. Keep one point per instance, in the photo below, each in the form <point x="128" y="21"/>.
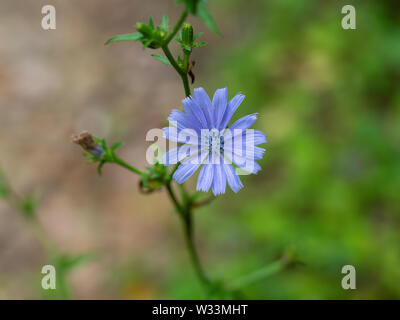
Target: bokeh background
<point x="328" y="101"/>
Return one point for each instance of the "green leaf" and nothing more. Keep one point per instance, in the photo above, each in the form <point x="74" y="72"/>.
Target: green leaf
<point x="165" y="23"/>
<point x="103" y="144"/>
<point x="162" y="59"/>
<point x="199" y="44"/>
<point x="196" y="36"/>
<point x="204" y="14"/>
<point x="126" y="37"/>
<point x="116" y="145"/>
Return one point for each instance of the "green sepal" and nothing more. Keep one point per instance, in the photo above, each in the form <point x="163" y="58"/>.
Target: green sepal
<point x="145" y="30"/>
<point x="164" y="23"/>
<point x="197" y="35"/>
<point x="151" y="22"/>
<point x="116" y="145"/>
<point x="92" y="158"/>
<point x="199" y="44"/>
<point x="100" y="167"/>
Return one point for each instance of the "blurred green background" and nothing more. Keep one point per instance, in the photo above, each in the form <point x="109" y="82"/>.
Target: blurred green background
<point x="327" y="99"/>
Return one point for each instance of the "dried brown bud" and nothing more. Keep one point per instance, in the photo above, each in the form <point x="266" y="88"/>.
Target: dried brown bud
<point x="86" y="141"/>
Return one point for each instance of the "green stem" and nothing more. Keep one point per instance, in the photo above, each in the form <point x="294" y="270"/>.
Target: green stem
<point x="122" y="163"/>
<point x="188" y="232"/>
<point x="178" y="69"/>
<point x="182" y="72"/>
<point x="185" y="195"/>
<point x="173" y="197"/>
<point x="186" y="56"/>
<point x="176" y="28"/>
<point x="187" y="221"/>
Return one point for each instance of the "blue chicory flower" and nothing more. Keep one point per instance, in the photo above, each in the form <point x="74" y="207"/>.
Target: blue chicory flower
<point x="206" y="141"/>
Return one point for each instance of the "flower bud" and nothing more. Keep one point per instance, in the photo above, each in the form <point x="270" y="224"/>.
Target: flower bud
<point x="187" y="34"/>
<point x="86" y="141"/>
<point x="151" y="38"/>
<point x="144" y="29"/>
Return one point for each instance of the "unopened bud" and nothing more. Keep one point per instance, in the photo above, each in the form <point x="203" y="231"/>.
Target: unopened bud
<point x="144" y="29"/>
<point x="151" y="38"/>
<point x="187" y="34"/>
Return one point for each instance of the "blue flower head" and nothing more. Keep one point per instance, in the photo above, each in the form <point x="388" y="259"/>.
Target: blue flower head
<point x="207" y="142"/>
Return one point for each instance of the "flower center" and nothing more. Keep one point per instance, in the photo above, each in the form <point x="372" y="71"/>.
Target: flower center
<point x="213" y="141"/>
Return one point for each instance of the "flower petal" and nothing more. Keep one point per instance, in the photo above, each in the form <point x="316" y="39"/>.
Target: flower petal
<point x="245" y="122"/>
<point x="183" y="121"/>
<point x="249" y="165"/>
<point x="258" y="153"/>
<point x="220" y="101"/>
<point x="219" y="180"/>
<point x="249" y="152"/>
<point x="233" y="104"/>
<point x="249" y="137"/>
<point x="232" y="178"/>
<point x="189" y="166"/>
<point x="183" y="136"/>
<point x="185" y="171"/>
<point x="193" y="109"/>
<point x="259" y="137"/>
<point x="202" y="99"/>
<point x="179" y="154"/>
<point x="205" y="178"/>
